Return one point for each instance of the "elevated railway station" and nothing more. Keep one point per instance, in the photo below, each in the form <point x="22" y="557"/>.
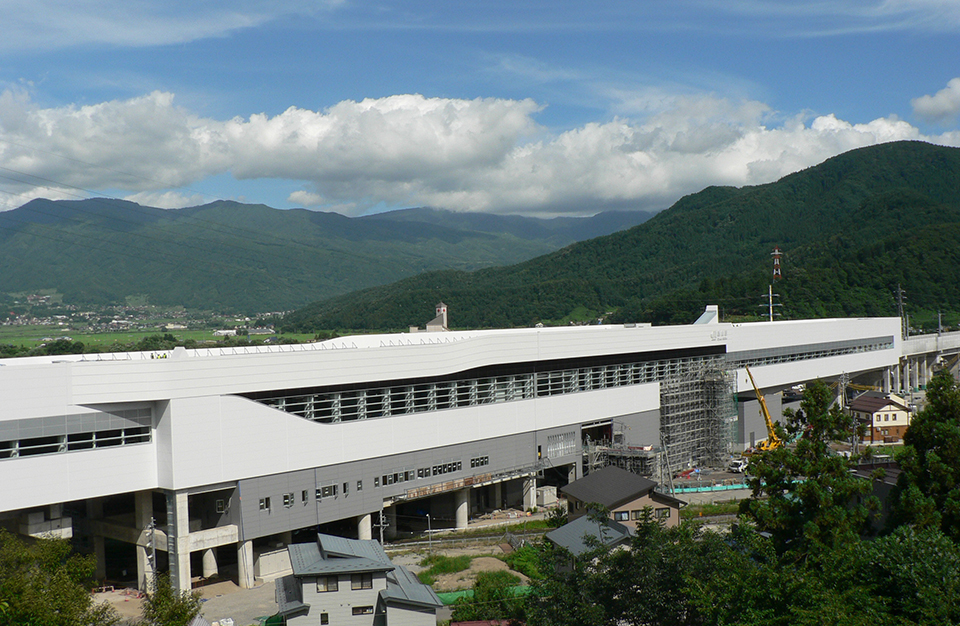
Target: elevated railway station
<point x="210" y="461"/>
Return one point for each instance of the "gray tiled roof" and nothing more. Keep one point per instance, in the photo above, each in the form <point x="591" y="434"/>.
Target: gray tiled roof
<point x="572" y="536"/>
<point x="337" y="555"/>
<point x="289" y="596"/>
<point x="609" y="486"/>
<point x="403" y="587"/>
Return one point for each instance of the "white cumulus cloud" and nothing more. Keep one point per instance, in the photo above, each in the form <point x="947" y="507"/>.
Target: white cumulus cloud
<point x="942" y="107"/>
<point x="485" y="154"/>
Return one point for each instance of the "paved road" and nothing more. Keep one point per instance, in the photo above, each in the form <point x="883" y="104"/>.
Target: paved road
<point x="243" y="606"/>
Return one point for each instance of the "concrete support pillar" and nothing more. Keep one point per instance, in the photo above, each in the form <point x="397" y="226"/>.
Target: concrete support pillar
<point x="572" y="473"/>
<point x="390" y="531"/>
<point x="178" y="539"/>
<point x="210" y="569"/>
<point x="95" y="512"/>
<point x="529" y="493"/>
<point x="365" y="527"/>
<point x="462" y="505"/>
<point x="286" y="537"/>
<point x="245" y="564"/>
<point x="497" y="496"/>
<point x="143" y="516"/>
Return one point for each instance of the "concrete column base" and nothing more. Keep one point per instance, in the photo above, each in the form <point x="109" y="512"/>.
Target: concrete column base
<point x="210" y="568"/>
<point x="245" y="564"/>
<point x="365" y="527"/>
<point x="463" y="508"/>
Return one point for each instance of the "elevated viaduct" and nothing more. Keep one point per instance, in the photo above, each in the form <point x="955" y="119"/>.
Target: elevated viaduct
<point x="208" y="461"/>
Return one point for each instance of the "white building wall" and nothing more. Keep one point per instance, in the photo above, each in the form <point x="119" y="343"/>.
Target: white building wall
<point x="228" y="438"/>
<point x="39" y="480"/>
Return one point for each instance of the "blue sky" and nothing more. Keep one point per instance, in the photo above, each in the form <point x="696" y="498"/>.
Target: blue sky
<point x="536" y="108"/>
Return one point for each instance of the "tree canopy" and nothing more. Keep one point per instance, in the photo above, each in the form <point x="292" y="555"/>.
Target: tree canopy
<point x="43" y="584"/>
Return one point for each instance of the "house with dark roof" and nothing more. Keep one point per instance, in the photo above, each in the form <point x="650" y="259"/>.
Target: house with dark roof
<point x="885" y="416"/>
<point x="583" y="535"/>
<point x="351" y="581"/>
<point x="624" y="493"/>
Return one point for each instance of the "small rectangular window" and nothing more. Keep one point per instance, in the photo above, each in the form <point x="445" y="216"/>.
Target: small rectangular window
<point x="264" y="504"/>
<point x="327" y="584"/>
<point x="359" y="485"/>
<point x="324" y="619"/>
<point x="662" y="513"/>
<point x="376" y="481"/>
<point x="637" y="514"/>
<point x="303" y="496"/>
<point x="363" y="610"/>
<point x="221" y="506"/>
<point x="288" y="500"/>
<point x="346" y="488"/>
<point x="621" y="516"/>
<point x="319" y="494"/>
<point x="361" y="581"/>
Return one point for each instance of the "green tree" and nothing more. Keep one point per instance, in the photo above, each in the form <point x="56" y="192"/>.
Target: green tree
<point x="928" y="488"/>
<point x="804" y="495"/>
<point x="43" y="584"/>
<point x="167" y="606"/>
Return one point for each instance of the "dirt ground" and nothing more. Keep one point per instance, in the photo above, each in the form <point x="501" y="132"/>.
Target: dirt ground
<point x="483" y="562"/>
<point x="126" y="602"/>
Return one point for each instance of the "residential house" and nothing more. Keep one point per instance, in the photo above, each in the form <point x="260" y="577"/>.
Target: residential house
<point x="624" y="493"/>
<point x="353" y="582"/>
<point x="584" y="534"/>
<point x="886" y="416"/>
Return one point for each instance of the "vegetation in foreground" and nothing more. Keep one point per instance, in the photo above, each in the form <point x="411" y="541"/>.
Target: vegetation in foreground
<point x="811" y="547"/>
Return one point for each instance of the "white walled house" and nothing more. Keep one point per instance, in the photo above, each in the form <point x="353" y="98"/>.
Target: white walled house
<point x="347" y="581"/>
<point x="886" y="416"/>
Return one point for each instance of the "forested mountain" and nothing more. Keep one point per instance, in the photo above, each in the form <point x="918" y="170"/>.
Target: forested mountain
<point x="253" y="258"/>
<point x="851" y="228"/>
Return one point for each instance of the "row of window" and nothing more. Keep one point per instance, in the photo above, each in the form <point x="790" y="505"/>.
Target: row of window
<point x="54" y="444"/>
<point x="357" y="404"/>
<point x="637" y="514"/>
<point x="358" y="582"/>
<point x="357" y="610"/>
<point x="343" y="406"/>
<point x="325" y="491"/>
<point x="400" y="476"/>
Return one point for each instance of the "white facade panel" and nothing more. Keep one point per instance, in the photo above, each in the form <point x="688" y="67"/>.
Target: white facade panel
<point x="228" y="438"/>
<point x="39" y="480"/>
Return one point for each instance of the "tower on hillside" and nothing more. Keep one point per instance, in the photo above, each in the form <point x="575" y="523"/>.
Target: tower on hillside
<point x="776" y="254"/>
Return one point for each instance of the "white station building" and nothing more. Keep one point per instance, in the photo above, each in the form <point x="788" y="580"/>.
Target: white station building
<point x="200" y="461"/>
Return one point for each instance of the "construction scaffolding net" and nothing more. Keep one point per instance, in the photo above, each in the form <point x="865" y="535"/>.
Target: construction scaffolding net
<point x="697" y="414"/>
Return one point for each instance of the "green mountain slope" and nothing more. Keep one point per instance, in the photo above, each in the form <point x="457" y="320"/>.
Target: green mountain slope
<point x="852" y="228"/>
<point x="252" y="257"/>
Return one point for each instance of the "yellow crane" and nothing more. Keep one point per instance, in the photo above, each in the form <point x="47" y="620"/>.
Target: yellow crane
<point x="772" y="442"/>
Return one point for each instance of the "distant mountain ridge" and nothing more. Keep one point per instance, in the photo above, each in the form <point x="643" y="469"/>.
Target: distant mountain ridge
<point x="253" y="258"/>
<point x="852" y="229"/>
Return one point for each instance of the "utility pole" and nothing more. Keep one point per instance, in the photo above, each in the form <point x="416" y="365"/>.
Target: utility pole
<point x="152" y="557"/>
<point x="429" y="536"/>
<point x="381" y="524"/>
<point x="901" y="296"/>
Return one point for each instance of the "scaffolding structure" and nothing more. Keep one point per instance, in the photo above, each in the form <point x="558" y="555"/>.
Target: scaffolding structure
<point x="698" y="420"/>
<point x="642" y="460"/>
<point x="697" y="414"/>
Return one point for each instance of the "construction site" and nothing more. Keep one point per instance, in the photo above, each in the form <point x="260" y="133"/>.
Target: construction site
<point x="698" y="417"/>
